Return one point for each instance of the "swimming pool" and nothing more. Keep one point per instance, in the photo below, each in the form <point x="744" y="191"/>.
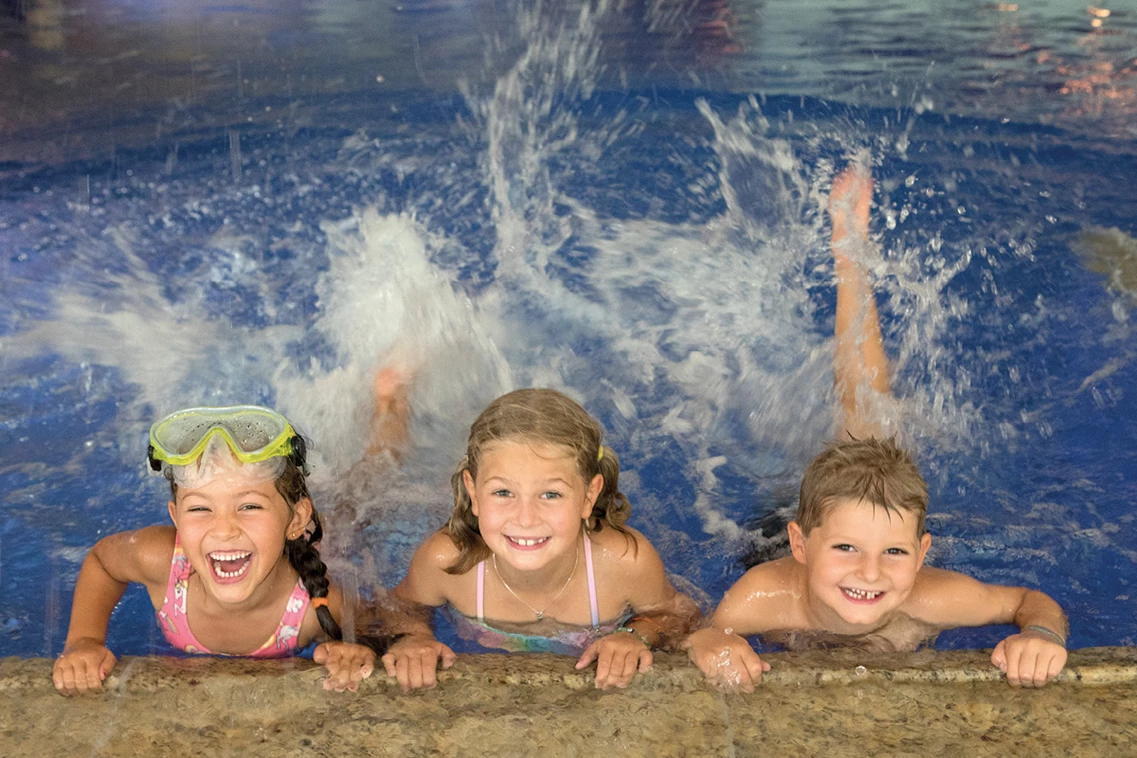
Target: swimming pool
<point x="220" y="203"/>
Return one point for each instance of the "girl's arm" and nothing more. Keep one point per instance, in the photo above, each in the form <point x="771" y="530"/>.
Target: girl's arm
<point x="348" y="663"/>
<point x="663" y="617"/>
<point x="115" y="561"/>
<point x="404" y="614"/>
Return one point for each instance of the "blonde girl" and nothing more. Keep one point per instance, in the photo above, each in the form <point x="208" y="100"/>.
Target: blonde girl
<point x="537" y="555"/>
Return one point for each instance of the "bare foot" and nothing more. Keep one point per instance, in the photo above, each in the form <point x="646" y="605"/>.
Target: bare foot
<point x="391" y="415"/>
<point x="849" y="208"/>
<point x="389" y="387"/>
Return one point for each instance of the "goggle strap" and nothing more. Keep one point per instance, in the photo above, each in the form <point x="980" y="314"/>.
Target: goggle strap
<point x="298" y="453"/>
<point x="155" y="463"/>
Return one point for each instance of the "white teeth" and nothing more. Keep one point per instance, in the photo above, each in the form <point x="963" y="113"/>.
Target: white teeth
<point x="527" y="542"/>
<point x="861" y="594"/>
<point x="217" y="558"/>
<point x="230" y="556"/>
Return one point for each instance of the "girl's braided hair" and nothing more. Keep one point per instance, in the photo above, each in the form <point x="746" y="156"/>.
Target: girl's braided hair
<point x="537" y="415"/>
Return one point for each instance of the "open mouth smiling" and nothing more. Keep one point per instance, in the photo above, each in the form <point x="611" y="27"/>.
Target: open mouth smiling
<point x="230" y="565"/>
<point x="527" y="543"/>
<point x="861" y="596"/>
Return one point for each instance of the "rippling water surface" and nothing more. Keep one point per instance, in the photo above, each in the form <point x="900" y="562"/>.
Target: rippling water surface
<point x="205" y="202"/>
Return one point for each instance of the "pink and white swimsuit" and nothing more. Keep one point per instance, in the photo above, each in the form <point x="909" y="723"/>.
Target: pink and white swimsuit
<point x="174" y="623"/>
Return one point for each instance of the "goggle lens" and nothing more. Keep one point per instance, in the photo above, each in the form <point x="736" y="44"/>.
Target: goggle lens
<point x="252" y="432"/>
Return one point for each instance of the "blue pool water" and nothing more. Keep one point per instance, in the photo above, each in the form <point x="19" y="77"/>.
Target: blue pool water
<point x="244" y="203"/>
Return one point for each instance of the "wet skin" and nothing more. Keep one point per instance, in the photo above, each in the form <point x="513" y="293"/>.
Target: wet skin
<point x="861" y="564"/>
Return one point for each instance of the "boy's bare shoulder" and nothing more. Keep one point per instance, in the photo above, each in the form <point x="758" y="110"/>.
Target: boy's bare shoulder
<point x="780" y="574"/>
<point x="932" y="582"/>
<point x="948" y="599"/>
<point x="765" y="597"/>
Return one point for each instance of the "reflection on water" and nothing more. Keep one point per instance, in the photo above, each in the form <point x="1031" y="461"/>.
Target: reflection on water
<point x="88" y="75"/>
<point x="207" y="204"/>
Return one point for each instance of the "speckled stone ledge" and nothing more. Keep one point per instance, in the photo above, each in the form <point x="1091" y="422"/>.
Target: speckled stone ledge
<point x="841" y="702"/>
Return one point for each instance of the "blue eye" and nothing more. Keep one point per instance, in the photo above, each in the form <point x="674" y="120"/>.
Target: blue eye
<point x="250" y="507"/>
<point x="896" y="551"/>
<point x="501" y="493"/>
<point x="844" y="548"/>
<point x="551" y="495"/>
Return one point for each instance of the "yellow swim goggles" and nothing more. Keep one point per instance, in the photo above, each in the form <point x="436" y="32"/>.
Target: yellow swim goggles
<point x="252" y="432"/>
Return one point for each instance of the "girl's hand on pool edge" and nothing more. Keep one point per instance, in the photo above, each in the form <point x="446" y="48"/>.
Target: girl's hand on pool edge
<point x="82" y="667"/>
<point x="618" y="657"/>
<point x="727" y="660"/>
<point x="414" y="661"/>
<point x="348" y="664"/>
<point x="1029" y="659"/>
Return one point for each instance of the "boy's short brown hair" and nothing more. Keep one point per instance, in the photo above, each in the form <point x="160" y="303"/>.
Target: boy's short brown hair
<point x="873" y="470"/>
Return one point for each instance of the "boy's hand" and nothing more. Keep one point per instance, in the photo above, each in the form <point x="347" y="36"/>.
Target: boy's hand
<point x="1029" y="659"/>
<point x="414" y="659"/>
<point x="618" y="657"/>
<point x="347" y="664"/>
<point x="82" y="667"/>
<point x="727" y="660"/>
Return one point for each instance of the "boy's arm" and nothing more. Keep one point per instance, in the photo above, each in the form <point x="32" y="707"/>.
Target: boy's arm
<point x="112" y="564"/>
<point x="1032" y="657"/>
<point x="949" y="599"/>
<point x="721" y="651"/>
<point x="756" y="601"/>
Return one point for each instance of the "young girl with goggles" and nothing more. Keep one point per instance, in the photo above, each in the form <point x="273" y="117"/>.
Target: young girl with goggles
<point x="238" y="573"/>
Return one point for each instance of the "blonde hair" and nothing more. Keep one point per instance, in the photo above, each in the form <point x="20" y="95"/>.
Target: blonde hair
<point x="536" y="415"/>
<point x="873" y="470"/>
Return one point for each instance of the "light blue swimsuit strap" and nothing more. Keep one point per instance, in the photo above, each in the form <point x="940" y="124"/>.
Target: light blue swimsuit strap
<point x="594" y="606"/>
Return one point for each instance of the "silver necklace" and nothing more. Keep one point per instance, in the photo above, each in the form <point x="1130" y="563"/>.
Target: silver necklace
<point x="539" y="612"/>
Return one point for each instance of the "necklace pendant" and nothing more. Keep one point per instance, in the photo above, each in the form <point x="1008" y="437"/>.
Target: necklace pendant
<point x="540" y="615"/>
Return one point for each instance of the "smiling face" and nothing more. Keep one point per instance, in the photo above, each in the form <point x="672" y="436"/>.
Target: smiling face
<point x="232" y="529"/>
<point x="530" y="500"/>
<point x="860" y="562"/>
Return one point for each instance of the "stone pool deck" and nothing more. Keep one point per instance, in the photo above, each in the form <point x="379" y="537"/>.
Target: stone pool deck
<point x="830" y="704"/>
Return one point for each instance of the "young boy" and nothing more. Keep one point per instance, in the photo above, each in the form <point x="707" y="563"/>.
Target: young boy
<point x="856" y="578"/>
<point x="856" y="575"/>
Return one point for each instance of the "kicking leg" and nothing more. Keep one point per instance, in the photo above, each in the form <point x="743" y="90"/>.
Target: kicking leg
<point x="859" y="359"/>
<point x="390" y="418"/>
